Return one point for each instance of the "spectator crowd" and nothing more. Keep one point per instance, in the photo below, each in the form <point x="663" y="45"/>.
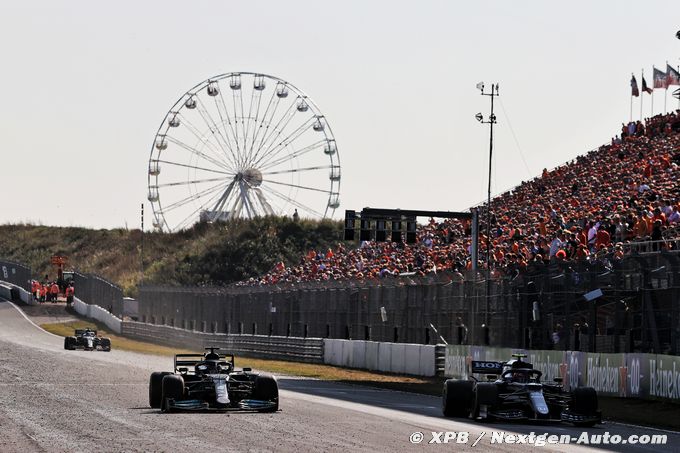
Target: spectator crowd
<point x="587" y="209"/>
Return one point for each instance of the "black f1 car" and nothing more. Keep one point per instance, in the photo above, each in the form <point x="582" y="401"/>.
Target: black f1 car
<point x="209" y="382"/>
<point x="514" y="391"/>
<point x="88" y="340"/>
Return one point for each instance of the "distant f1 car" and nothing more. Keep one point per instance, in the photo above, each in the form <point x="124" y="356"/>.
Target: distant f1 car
<point x="209" y="382"/>
<point x="88" y="340"/>
<point x="514" y="391"/>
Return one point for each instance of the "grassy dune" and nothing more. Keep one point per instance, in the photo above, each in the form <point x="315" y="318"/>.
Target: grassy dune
<point x="206" y="254"/>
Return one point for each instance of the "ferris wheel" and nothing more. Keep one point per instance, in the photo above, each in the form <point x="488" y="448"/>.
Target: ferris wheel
<point x="242" y="144"/>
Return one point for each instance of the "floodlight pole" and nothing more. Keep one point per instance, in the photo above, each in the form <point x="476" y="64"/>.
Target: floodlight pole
<point x="490" y="121"/>
<point x="141" y="251"/>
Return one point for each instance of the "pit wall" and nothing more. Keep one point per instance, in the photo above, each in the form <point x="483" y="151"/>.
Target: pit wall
<point x="625" y="375"/>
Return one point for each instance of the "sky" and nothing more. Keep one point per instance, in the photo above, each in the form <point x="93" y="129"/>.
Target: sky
<point x="86" y="85"/>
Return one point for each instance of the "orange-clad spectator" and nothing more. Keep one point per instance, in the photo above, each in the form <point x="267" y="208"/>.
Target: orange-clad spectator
<point x="641" y="228"/>
<point x="602" y="239"/>
<point x="658" y="215"/>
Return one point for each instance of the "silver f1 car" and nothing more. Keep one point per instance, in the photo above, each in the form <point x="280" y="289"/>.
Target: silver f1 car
<point x="514" y="391"/>
<point x="209" y="382"/>
<point x="88" y="340"/>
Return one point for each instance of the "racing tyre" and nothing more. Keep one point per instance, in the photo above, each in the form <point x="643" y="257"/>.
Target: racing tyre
<point x="70" y="343"/>
<point x="106" y="344"/>
<point x="156" y="388"/>
<point x="266" y="389"/>
<point x="584" y="402"/>
<point x="486" y="394"/>
<point x="457" y="398"/>
<point x="172" y="389"/>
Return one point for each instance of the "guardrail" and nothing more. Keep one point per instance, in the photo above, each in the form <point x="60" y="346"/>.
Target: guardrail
<point x="651" y="246"/>
<point x="272" y="347"/>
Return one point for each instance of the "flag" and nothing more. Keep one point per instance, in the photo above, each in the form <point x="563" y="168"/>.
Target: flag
<point x="672" y="76"/>
<point x="659" y="79"/>
<point x="645" y="88"/>
<point x="634" y="88"/>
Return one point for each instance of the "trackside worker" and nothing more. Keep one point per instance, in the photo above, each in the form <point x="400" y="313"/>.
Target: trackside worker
<point x="54" y="289"/>
<point x="70" y="291"/>
<point x="43" y="293"/>
<point x="35" y="289"/>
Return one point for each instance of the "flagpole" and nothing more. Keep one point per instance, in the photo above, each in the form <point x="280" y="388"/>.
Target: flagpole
<point x="631" y="108"/>
<point x="631" y="98"/>
<point x="642" y="94"/>
<point x="665" y="93"/>
<point x="651" y="114"/>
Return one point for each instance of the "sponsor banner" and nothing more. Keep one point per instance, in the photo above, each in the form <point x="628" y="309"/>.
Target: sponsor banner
<point x="664" y="377"/>
<point x="636" y="375"/>
<point x="576" y="369"/>
<point x="603" y="373"/>
<point x="551" y="363"/>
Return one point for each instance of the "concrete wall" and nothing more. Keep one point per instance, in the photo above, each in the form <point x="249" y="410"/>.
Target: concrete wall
<point x="98" y="313"/>
<point x="402" y="358"/>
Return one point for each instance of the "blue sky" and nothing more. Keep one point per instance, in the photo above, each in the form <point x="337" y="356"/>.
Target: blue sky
<point x="87" y="83"/>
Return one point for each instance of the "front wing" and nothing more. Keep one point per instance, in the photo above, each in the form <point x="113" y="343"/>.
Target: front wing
<point x="196" y="405"/>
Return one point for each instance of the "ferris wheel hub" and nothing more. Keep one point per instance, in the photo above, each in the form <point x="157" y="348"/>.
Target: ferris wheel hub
<point x="252" y="176"/>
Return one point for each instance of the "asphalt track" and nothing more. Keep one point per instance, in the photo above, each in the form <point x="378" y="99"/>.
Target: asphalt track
<point x="54" y="400"/>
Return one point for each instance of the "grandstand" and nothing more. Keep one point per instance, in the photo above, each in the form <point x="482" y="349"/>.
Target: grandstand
<point x="594" y="208"/>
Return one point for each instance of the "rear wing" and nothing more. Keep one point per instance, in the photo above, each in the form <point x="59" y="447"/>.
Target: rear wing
<point x="191" y="360"/>
<point x="82" y="331"/>
<point x="484" y="367"/>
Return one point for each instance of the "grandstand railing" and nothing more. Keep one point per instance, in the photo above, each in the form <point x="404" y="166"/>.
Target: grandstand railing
<point x="651" y="246"/>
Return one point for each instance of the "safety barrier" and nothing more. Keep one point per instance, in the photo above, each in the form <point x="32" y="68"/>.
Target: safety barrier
<point x="93" y="289"/>
<point x="5" y="291"/>
<point x="272" y="347"/>
<point x="98" y="313"/>
<point x="626" y="375"/>
<point x="403" y="358"/>
<point x="16" y="293"/>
